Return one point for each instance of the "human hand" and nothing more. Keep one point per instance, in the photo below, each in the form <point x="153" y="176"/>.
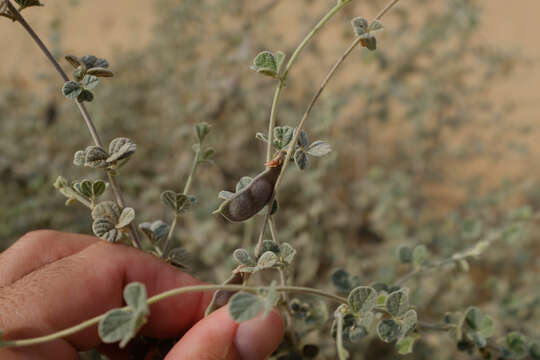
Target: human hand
<point x="51" y="280"/>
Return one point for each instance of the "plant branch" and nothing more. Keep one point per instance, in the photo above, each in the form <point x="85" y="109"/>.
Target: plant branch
<point x="156" y="298"/>
<point x="84" y="112"/>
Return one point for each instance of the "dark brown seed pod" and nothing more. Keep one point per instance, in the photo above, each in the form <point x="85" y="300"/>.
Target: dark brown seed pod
<point x="251" y="199"/>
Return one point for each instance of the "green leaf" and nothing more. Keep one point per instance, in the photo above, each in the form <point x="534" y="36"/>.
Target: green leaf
<point x="105" y="229"/>
<point x="100" y="72"/>
<point x="90" y="61"/>
<point x="516" y="342"/>
<point x="287" y="252"/>
<point x="360" y="25"/>
<point x="404" y="254"/>
<point x="282" y="136"/>
<point x="408" y="322"/>
<point x="106" y="209"/>
<point x="266" y="63"/>
<point x="242" y="257"/>
<point x="85" y="95"/>
<point x="244" y="306"/>
<point x="90" y="82"/>
<point x="117" y="325"/>
<point x="340" y="279"/>
<point x="177" y="202"/>
<point x="405" y="345"/>
<point x="79" y="158"/>
<point x="121" y="148"/>
<point x="179" y="256"/>
<point x="269" y="245"/>
<point x="270" y="299"/>
<point x="95" y="157"/>
<point x="303" y="139"/>
<point x="375" y="26"/>
<point x="319" y="148"/>
<point x="280" y="56"/>
<point x="479" y="327"/>
<point x="357" y="333"/>
<point x="71" y="89"/>
<point x="85" y="188"/>
<point x="135" y="296"/>
<point x="267" y="260"/>
<point x="301" y="160"/>
<point x="388" y="330"/>
<point x="126" y="217"/>
<point x="202" y="130"/>
<point x="419" y="256"/>
<point x="397" y="303"/>
<point x="362" y="299"/>
<point x="98" y="188"/>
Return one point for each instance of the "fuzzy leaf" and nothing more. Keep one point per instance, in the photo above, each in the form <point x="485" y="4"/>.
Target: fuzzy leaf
<point x="121" y="148"/>
<point x="282" y="136"/>
<point x="242" y="257"/>
<point x="90" y="61"/>
<point x="135" y="296"/>
<point x="303" y="139"/>
<point x="405" y="345"/>
<point x="419" y="255"/>
<point x="266" y="63"/>
<point x="95" y="157"/>
<point x="375" y="26"/>
<point x="79" y="158"/>
<point x="90" y="82"/>
<point x="360" y="25"/>
<point x="287" y="252"/>
<point x="269" y="245"/>
<point x="202" y="130"/>
<point x="100" y="72"/>
<point x="319" y="148"/>
<point x="516" y="342"/>
<point x="408" y="323"/>
<point x="71" y="89"/>
<point x="388" y="330"/>
<point x="105" y="229"/>
<point x="340" y="279"/>
<point x="116" y="326"/>
<point x="243" y="183"/>
<point x="106" y="209"/>
<point x="397" y="303"/>
<point x="85" y="95"/>
<point x="244" y="306"/>
<point x="301" y="159"/>
<point x="362" y="299"/>
<point x="357" y="333"/>
<point x="175" y="201"/>
<point x="98" y="188"/>
<point x="267" y="260"/>
<point x="126" y="217"/>
<point x="404" y="254"/>
<point x="270" y="299"/>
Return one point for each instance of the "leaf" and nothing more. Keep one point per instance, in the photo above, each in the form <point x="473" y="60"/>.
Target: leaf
<point x="270" y="299"/>
<point x="280" y="58"/>
<point x="71" y="89"/>
<point x="95" y="157"/>
<point x="116" y="326"/>
<point x="244" y="306"/>
<point x="86" y="188"/>
<point x="357" y="333"/>
<point x="260" y="136"/>
<point x="362" y="299"/>
<point x="90" y="82"/>
<point x="100" y="72"/>
<point x="98" y="188"/>
<point x="180" y="257"/>
<point x="404" y="254"/>
<point x="135" y="296"/>
<point x="340" y="279"/>
<point x="90" y="61"/>
<point x="360" y="25"/>
<point x="175" y="201"/>
<point x="388" y="330"/>
<point x="85" y="95"/>
<point x="301" y="160"/>
<point x="106" y="209"/>
<point x="269" y="245"/>
<point x="319" y="148"/>
<point x="267" y="260"/>
<point x="303" y="140"/>
<point x="242" y="257"/>
<point x="121" y="148"/>
<point x="405" y="345"/>
<point x="408" y="323"/>
<point x="419" y="256"/>
<point x="243" y="183"/>
<point x="73" y="60"/>
<point x="287" y="252"/>
<point x="370" y="43"/>
<point x="478" y="326"/>
<point x="28" y="3"/>
<point x="516" y="342"/>
<point x="266" y="63"/>
<point x="105" y="229"/>
<point x="156" y="231"/>
<point x="202" y="130"/>
<point x="375" y="26"/>
<point x="79" y="158"/>
<point x="397" y="303"/>
<point x="282" y="136"/>
<point x="126" y="217"/>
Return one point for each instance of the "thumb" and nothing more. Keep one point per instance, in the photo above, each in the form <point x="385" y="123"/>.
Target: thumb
<point x="218" y="336"/>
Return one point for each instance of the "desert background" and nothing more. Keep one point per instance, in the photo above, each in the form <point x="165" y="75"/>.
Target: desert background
<point x="434" y="136"/>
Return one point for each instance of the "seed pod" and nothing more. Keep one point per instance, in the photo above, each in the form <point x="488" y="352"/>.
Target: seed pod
<point x="251" y="199"/>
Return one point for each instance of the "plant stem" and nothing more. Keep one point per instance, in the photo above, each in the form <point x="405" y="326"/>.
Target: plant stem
<point x="84" y="112"/>
<point x="342" y="353"/>
<point x="290" y="63"/>
<point x="177" y="291"/>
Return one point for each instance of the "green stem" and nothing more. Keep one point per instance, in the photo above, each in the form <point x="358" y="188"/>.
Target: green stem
<point x="290" y="63"/>
<point x="164" y="295"/>
<point x="342" y="353"/>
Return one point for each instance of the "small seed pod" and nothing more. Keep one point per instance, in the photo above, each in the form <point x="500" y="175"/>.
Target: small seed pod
<point x="251" y="199"/>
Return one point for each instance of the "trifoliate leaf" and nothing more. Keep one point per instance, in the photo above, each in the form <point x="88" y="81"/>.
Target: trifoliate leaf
<point x="319" y="148"/>
<point x="516" y="342"/>
<point x="202" y="130"/>
<point x="71" y="89"/>
<point x="362" y="299"/>
<point x="397" y="303"/>
<point x="175" y="201"/>
<point x="245" y="306"/>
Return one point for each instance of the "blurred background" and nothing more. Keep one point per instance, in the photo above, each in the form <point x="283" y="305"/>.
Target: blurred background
<point x="433" y="135"/>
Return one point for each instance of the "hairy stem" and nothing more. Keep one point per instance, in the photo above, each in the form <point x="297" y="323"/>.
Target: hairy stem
<point x="84" y="112"/>
<point x="165" y="295"/>
<point x="342" y="353"/>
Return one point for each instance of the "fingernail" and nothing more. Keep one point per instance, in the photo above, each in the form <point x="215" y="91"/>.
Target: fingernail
<point x="258" y="338"/>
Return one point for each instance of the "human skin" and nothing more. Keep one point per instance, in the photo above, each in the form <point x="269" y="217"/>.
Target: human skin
<point x="51" y="280"/>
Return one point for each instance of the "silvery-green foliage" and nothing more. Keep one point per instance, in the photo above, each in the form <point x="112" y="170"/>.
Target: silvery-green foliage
<point x="177" y="202"/>
<point x="397" y="302"/>
<point x="123" y="324"/>
<point x="268" y="64"/>
<point x="388" y="330"/>
<point x="477" y="326"/>
<point x="155" y="231"/>
<point x="362" y="299"/>
<point x="109" y="220"/>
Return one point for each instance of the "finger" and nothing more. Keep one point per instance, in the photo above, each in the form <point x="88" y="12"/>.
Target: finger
<point x="38" y="248"/>
<point x="89" y="283"/>
<point x="218" y="337"/>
